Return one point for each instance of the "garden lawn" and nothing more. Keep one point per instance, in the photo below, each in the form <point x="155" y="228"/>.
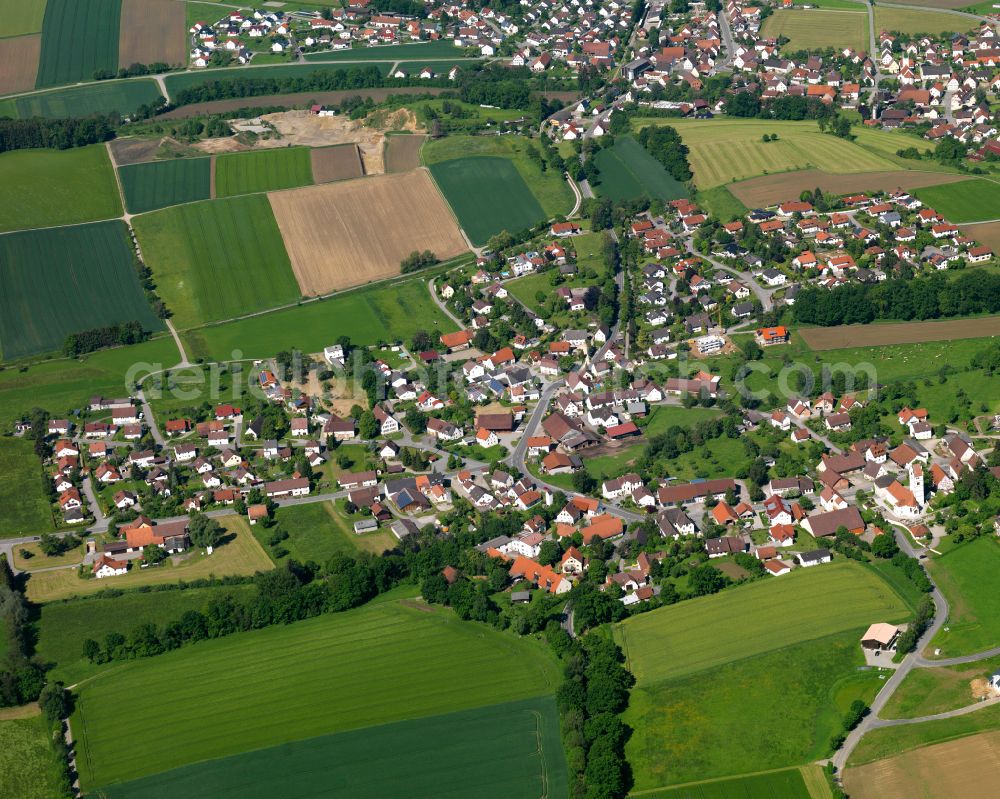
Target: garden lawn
<point x="966" y="201"/>
<point x="407" y="757"/>
<point x="726" y="150"/>
<point x="317" y="531"/>
<point x="549" y="187"/>
<point x="79" y="37"/>
<point x="388" y="661"/>
<point x="217" y="259"/>
<point x="238" y="554"/>
<point x="773" y="710"/>
<point x="628" y="171"/>
<point x="123" y="96"/>
<point x="157" y="184"/>
<point x="26" y="509"/>
<point x="389" y="312"/>
<point x="262" y="170"/>
<point x="819" y="29"/>
<point x="969" y="578"/>
<point x="20" y="17"/>
<point x="487" y="195"/>
<point x="28" y="765"/>
<point x="64" y="626"/>
<point x="663" y="417"/>
<point x="62" y="385"/>
<point x="706" y="632"/>
<point x="43" y="188"/>
<point x="65" y="280"/>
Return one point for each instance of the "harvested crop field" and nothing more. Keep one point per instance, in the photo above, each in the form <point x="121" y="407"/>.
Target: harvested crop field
<point x="987" y="233"/>
<point x="773" y="189"/>
<point x="151" y="31"/>
<point x="835" y="338"/>
<point x="341" y="162"/>
<point x="402" y="153"/>
<point x="952" y="770"/>
<point x="301" y="99"/>
<point x="19" y="63"/>
<point x="345" y="234"/>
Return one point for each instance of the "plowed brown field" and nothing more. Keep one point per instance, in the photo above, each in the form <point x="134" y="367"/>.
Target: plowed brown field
<point x="352" y="232"/>
<point x="402" y="153"/>
<point x="151" y="31"/>
<point x="773" y="189"/>
<point x="19" y="63"/>
<point x="336" y="163"/>
<point x="958" y="769"/>
<point x="836" y="338"/>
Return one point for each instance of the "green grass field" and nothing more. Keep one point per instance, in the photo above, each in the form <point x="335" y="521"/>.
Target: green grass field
<point x="819" y="29"/>
<point x="888" y="741"/>
<point x="217" y="259"/>
<point x="28" y="768"/>
<point x="748" y="620"/>
<point x="262" y="170"/>
<point x="390" y="312"/>
<point x="20" y="17"/>
<point x="388" y="661"/>
<point x="64" y="280"/>
<point x="781" y="784"/>
<point x="123" y="96"/>
<point x="773" y="710"/>
<point x="64" y="626"/>
<point x="487" y="195"/>
<point x="57" y="187"/>
<point x="317" y="532"/>
<point x="59" y="386"/>
<point x="965" y="201"/>
<point x="406" y="758"/>
<point x="721" y="203"/>
<point x="548" y="187"/>
<point x="926" y="692"/>
<point x="443" y="48"/>
<point x="183" y="80"/>
<point x="157" y="184"/>
<point x="969" y="578"/>
<point x="663" y="417"/>
<point x="26" y="508"/>
<point x="628" y="172"/>
<point x="209" y="13"/>
<point x="726" y="150"/>
<point x="78" y="38"/>
<point x="910" y="21"/>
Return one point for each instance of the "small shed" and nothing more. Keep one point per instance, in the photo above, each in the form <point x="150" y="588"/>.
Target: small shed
<point x="880" y="636"/>
<point x="519" y="597"/>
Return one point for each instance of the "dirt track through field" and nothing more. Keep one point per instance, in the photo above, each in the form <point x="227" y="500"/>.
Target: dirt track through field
<point x="336" y="163"/>
<point x="352" y="232"/>
<point x="835" y="338"/>
<point x="151" y="31"/>
<point x="402" y="153"/>
<point x="19" y="63"/>
<point x="968" y="767"/>
<point x="774" y="189"/>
